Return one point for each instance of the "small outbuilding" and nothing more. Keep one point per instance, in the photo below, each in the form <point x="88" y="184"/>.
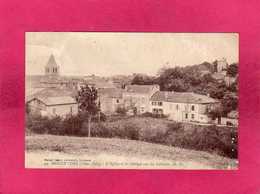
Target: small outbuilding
<point x="53" y="106"/>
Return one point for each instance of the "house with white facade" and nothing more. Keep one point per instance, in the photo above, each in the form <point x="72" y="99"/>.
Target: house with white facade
<point x="182" y="107"/>
<point x="53" y="106"/>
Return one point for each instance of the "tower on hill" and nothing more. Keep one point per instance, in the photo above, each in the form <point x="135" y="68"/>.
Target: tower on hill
<point x="51" y="68"/>
<point x="222" y="65"/>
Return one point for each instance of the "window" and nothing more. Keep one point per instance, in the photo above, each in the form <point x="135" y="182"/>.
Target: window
<point x="153" y="103"/>
<point x="160" y="111"/>
<point x="71" y="109"/>
<point x="192" y="107"/>
<point x="157" y="111"/>
<point x="159" y="103"/>
<point x="186" y="116"/>
<point x="54" y="110"/>
<point x="177" y="107"/>
<point x="192" y="116"/>
<point x="117" y="100"/>
<point x="142" y="109"/>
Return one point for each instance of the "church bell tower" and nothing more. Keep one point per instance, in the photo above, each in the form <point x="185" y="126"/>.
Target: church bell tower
<point x="51" y="68"/>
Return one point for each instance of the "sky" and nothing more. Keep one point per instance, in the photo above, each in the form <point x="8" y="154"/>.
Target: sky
<point x="106" y="54"/>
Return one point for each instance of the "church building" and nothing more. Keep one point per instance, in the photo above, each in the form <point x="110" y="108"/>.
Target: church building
<point x="51" y="68"/>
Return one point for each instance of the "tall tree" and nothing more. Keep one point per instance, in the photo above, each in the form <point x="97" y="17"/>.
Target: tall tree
<point x="232" y="70"/>
<point x="88" y="105"/>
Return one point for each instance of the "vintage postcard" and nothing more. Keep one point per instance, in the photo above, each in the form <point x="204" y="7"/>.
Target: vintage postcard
<point x="131" y="100"/>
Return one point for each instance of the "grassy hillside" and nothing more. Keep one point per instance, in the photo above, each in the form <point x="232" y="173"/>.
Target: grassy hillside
<point x="115" y="151"/>
<point x="214" y="139"/>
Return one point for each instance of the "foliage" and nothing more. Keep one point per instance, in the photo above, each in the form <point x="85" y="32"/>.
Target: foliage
<point x="41" y="125"/>
<point x="87" y="100"/>
<point x="121" y="110"/>
<point x="99" y="117"/>
<point x="232" y="70"/>
<point x="142" y="80"/>
<point x="229" y="103"/>
<point x="220" y="140"/>
<point x="193" y="79"/>
<point x="71" y="125"/>
<point x="152" y="115"/>
<point x="215" y="113"/>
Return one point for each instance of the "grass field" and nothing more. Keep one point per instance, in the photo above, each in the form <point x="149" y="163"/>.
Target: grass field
<point x="117" y="153"/>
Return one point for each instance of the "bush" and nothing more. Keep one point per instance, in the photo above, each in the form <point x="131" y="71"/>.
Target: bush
<point x="219" y="140"/>
<point x="149" y="114"/>
<point x="97" y="130"/>
<point x="205" y="138"/>
<point x="131" y="132"/>
<point x="102" y="117"/>
<point x="39" y="124"/>
<point x="121" y="110"/>
<point x="72" y="125"/>
<point x="174" y="127"/>
<point x="126" y="130"/>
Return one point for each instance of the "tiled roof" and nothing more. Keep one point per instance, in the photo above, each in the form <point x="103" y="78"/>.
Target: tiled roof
<point x="143" y="89"/>
<point x="57" y="100"/>
<point x="110" y="92"/>
<point x="182" y="97"/>
<point x="51" y="92"/>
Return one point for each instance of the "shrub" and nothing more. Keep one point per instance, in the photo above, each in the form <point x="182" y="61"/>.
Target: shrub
<point x="131" y="131"/>
<point x="97" y="130"/>
<point x="219" y="140"/>
<point x="72" y="125"/>
<point x="174" y="126"/>
<point x="39" y="124"/>
<point x="121" y="110"/>
<point x="206" y="138"/>
<point x="149" y="114"/>
<point x="102" y="117"/>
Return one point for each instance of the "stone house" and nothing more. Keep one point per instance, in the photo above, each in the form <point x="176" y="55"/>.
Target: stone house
<point x="53" y="106"/>
<point x="183" y="107"/>
<point x="138" y="97"/>
<point x="110" y="99"/>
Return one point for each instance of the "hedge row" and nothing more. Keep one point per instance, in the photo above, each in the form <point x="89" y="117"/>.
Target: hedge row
<point x="222" y="141"/>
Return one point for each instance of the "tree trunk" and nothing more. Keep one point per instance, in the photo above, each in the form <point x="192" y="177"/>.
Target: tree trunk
<point x="89" y="127"/>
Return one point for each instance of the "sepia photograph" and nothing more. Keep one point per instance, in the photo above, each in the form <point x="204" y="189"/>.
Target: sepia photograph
<point x="117" y="100"/>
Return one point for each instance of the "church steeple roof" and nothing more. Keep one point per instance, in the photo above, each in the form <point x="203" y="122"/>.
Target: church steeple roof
<point x="52" y="61"/>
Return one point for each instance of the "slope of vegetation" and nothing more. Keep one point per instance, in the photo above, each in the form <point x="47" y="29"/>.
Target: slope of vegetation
<point x="219" y="140"/>
<point x="117" y="151"/>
